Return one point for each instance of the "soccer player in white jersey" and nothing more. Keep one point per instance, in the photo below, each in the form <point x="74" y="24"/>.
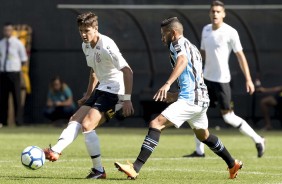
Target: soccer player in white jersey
<point x="101" y="101"/>
<point x="189" y="104"/>
<point x="218" y="39"/>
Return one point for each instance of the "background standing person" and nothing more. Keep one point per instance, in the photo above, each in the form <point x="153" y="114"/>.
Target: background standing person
<point x="218" y="39"/>
<point x="12" y="57"/>
<point x="190" y="104"/>
<point x="274" y="101"/>
<point x="60" y="104"/>
<point x="113" y="77"/>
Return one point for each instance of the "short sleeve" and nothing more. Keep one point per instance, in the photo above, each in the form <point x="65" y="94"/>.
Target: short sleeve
<point x="202" y="41"/>
<point x="117" y="59"/>
<point x="68" y="92"/>
<point x="235" y="41"/>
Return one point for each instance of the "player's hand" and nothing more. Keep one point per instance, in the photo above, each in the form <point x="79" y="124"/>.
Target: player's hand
<point x="162" y="93"/>
<point x="250" y="87"/>
<point x="171" y="97"/>
<point x="127" y="109"/>
<point x="82" y="101"/>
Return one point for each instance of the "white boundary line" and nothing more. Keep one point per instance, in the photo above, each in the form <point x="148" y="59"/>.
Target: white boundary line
<point x="165" y="7"/>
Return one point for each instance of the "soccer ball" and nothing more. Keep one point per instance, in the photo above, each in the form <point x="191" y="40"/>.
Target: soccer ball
<point x="33" y="157"/>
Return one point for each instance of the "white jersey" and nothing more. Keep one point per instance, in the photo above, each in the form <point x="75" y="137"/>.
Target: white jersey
<point x="106" y="61"/>
<point x="217" y="45"/>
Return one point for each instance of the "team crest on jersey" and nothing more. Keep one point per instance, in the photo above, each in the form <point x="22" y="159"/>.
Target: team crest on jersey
<point x="177" y="48"/>
<point x="98" y="57"/>
<point x="98" y="47"/>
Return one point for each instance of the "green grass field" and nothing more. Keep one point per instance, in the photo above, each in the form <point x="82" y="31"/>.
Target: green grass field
<point x="166" y="164"/>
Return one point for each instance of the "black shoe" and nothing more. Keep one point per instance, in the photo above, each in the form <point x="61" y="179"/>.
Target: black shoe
<point x="194" y="154"/>
<point x="95" y="174"/>
<point x="261" y="148"/>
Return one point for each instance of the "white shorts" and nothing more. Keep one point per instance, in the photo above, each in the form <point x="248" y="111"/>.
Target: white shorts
<point x="181" y="111"/>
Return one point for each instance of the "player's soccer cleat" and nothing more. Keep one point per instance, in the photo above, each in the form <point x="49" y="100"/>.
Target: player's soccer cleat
<point x="95" y="174"/>
<point x="261" y="147"/>
<point x="51" y="155"/>
<point x="234" y="170"/>
<point x="195" y="154"/>
<point x="127" y="169"/>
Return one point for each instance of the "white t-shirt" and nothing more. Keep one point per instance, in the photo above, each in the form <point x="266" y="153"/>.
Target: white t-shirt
<point x="106" y="61"/>
<point x="217" y="45"/>
<point x="16" y="55"/>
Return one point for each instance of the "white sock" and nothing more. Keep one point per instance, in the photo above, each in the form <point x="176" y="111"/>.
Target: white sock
<point x="200" y="147"/>
<point x="68" y="135"/>
<point x="247" y="130"/>
<point x="93" y="148"/>
<point x="244" y="127"/>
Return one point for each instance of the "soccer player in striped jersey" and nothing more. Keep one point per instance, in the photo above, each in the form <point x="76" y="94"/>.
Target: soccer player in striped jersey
<point x="189" y="104"/>
<point x="218" y="39"/>
<point x="109" y="89"/>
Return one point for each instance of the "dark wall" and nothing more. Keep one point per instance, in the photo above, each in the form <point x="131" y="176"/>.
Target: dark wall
<point x="56" y="45"/>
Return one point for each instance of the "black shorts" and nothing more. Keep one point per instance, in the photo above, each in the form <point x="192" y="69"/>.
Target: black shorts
<point x="219" y="93"/>
<point x="104" y="102"/>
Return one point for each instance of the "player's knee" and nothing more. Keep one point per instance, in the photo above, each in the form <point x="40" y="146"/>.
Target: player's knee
<point x="156" y="124"/>
<point x="231" y="119"/>
<point x="201" y="134"/>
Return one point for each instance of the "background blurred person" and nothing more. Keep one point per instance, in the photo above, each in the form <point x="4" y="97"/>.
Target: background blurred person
<point x="12" y="57"/>
<point x="60" y="104"/>
<point x="271" y="101"/>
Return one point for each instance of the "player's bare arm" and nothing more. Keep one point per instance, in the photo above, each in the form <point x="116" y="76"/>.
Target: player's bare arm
<point x="128" y="82"/>
<point x="92" y="83"/>
<point x="181" y="63"/>
<point x="245" y="69"/>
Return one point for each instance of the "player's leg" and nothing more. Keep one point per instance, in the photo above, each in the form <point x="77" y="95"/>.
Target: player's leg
<point x="224" y="99"/>
<point x="68" y="135"/>
<point x="103" y="109"/>
<point x="200" y="147"/>
<point x="175" y="115"/>
<point x="150" y="143"/>
<point x="89" y="124"/>
<point x="199" y="124"/>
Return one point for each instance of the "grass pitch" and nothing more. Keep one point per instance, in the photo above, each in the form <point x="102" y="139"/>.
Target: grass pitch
<point x="166" y="164"/>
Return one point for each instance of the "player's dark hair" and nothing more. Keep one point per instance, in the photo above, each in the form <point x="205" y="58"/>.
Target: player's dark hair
<point x="169" y="21"/>
<point x="217" y="3"/>
<point x="87" y="19"/>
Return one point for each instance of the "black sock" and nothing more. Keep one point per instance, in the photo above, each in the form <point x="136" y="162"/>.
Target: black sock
<point x="218" y="148"/>
<point x="148" y="146"/>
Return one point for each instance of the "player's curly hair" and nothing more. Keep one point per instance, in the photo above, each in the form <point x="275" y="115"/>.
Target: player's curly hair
<point x="87" y="19"/>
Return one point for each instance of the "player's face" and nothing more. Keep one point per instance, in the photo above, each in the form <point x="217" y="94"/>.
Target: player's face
<point x="88" y="33"/>
<point x="8" y="31"/>
<point x="166" y="36"/>
<point x="217" y="14"/>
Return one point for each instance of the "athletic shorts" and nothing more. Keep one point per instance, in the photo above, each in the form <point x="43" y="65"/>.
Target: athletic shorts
<point x="181" y="111"/>
<point x="219" y="93"/>
<point x="105" y="102"/>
